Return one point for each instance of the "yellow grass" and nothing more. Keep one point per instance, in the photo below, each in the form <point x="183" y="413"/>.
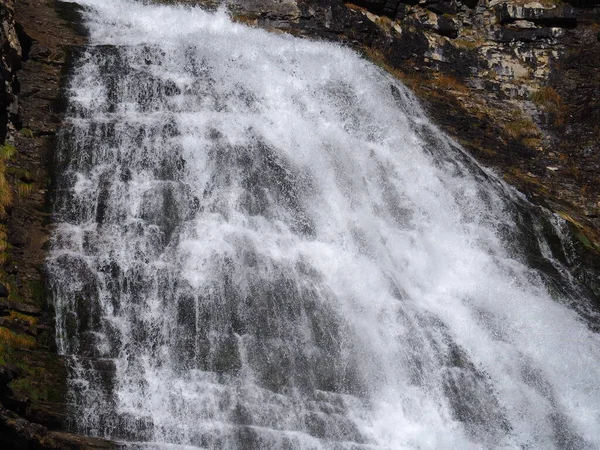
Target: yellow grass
<point x="31" y="321"/>
<point x="14" y="340"/>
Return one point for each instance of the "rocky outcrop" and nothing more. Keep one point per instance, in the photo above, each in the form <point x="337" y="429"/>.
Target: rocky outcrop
<point x="17" y="433"/>
<point x="12" y="53"/>
<point x="33" y="394"/>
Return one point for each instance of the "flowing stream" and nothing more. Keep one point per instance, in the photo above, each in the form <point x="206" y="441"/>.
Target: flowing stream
<point x="263" y="243"/>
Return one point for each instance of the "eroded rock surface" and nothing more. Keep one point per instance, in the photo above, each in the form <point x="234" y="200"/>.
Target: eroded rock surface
<point x="33" y="395"/>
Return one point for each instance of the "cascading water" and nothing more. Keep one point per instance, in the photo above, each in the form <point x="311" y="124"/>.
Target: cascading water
<point x="263" y="244"/>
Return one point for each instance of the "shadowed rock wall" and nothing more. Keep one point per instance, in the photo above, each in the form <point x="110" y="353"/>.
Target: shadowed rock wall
<point x="35" y="47"/>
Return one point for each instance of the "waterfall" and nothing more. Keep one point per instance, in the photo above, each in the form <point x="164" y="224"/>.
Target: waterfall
<point x="263" y="243"/>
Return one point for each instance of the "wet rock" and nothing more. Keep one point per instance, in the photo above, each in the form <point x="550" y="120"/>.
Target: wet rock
<point x="39" y="52"/>
<point x="269" y="13"/>
<point x="20" y="434"/>
<point x="25" y="308"/>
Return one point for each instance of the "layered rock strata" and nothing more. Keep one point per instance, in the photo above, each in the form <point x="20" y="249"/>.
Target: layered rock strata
<point x="35" y="51"/>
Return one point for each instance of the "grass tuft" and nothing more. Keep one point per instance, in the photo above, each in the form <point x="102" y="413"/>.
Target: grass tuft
<point x="548" y="100"/>
<point x="7" y="151"/>
<point x="521" y="128"/>
<point x="15" y="340"/>
<point x="24" y="189"/>
<point x="26" y="132"/>
<point x="6" y="195"/>
<point x="30" y="320"/>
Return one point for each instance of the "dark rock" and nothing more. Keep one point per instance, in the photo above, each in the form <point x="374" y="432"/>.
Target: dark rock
<point x="390" y="8"/>
<point x="506" y="35"/>
<point x="11" y="269"/>
<point x="24" y="308"/>
<point x="470" y="3"/>
<point x="39" y="52"/>
<point x="7" y="374"/>
<point x="447" y="27"/>
<point x="47" y="415"/>
<point x="401" y="12"/>
<point x="25" y="41"/>
<point x="17" y="237"/>
<point x="20" y="434"/>
<point x="409" y="44"/>
<point x="443" y="7"/>
<point x="584" y="3"/>
<point x="3" y="291"/>
<point x="375" y="6"/>
<point x="561" y="16"/>
<point x="71" y="13"/>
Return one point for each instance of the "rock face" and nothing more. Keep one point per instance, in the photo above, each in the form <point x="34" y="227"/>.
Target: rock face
<point x="12" y="54"/>
<point x="33" y="395"/>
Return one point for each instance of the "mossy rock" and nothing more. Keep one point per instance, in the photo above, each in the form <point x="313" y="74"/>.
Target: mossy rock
<point x="26" y="132"/>
<point x="7" y="151"/>
<point x="42" y="375"/>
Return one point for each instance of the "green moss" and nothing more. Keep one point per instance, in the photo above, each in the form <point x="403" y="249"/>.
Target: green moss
<point x="467" y="44"/>
<point x="26" y="132"/>
<point x="586" y="241"/>
<point x="548" y="100"/>
<point x="3" y="355"/>
<point x="42" y="375"/>
<point x="7" y="151"/>
<point x="25" y="318"/>
<point x="26" y="385"/>
<point x="36" y="386"/>
<point x="24" y="189"/>
<point x="21" y="174"/>
<point x="37" y="292"/>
